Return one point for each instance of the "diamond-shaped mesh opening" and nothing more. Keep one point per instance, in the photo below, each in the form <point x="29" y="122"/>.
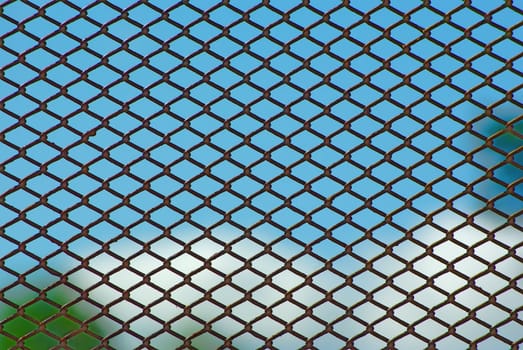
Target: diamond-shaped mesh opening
<point x="274" y="174"/>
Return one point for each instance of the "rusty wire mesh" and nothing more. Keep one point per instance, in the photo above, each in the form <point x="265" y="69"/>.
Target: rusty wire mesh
<point x="260" y="174"/>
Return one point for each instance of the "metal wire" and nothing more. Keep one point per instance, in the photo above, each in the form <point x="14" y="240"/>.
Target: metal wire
<point x="242" y="174"/>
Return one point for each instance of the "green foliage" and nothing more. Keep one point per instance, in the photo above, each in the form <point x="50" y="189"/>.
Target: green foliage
<point x="59" y="326"/>
<point x="502" y="157"/>
<point x="62" y="323"/>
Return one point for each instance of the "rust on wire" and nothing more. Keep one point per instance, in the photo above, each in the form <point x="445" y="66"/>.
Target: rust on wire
<point x="230" y="174"/>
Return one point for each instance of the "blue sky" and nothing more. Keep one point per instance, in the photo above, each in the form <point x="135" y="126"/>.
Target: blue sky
<point x="166" y="139"/>
<point x="366" y="133"/>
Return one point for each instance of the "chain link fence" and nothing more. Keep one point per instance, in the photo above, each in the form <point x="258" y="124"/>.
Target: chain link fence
<point x="261" y="174"/>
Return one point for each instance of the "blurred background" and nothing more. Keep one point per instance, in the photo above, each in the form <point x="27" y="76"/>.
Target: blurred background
<point x="244" y="174"/>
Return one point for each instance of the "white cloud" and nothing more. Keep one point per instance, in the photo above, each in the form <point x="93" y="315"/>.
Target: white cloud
<point x="205" y="266"/>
